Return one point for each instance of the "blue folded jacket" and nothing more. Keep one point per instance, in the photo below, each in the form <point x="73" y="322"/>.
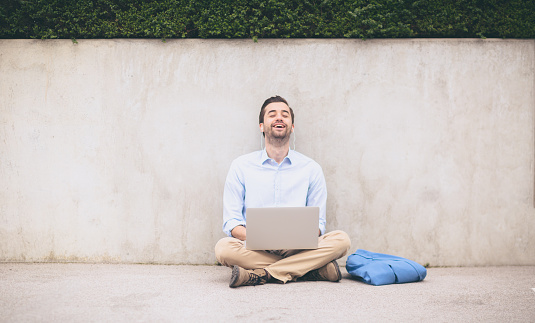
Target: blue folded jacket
<point x="382" y="269"/>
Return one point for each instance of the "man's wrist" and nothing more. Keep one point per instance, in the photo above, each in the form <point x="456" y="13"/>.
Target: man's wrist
<point x="239" y="232"/>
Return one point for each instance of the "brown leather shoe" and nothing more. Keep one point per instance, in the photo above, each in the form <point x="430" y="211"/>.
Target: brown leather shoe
<point x="244" y="277"/>
<point x="329" y="272"/>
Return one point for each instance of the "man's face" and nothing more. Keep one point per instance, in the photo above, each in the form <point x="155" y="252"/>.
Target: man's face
<point x="277" y="121"/>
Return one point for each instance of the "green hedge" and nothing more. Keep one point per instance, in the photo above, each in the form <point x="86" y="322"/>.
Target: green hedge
<point x="79" y="19"/>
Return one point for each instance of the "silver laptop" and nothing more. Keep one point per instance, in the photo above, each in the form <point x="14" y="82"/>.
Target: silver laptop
<point x="276" y="228"/>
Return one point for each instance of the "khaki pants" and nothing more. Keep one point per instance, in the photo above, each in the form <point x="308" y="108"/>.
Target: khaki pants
<point x="284" y="265"/>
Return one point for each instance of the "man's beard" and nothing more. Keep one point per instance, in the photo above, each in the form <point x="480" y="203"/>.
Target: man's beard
<point x="278" y="139"/>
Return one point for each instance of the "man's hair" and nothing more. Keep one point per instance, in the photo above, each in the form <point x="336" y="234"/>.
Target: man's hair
<point x="271" y="100"/>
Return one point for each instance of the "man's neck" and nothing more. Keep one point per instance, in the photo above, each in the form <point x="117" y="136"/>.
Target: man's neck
<point x="277" y="152"/>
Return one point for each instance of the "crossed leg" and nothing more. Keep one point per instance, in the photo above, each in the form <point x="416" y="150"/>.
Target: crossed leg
<point x="284" y="265"/>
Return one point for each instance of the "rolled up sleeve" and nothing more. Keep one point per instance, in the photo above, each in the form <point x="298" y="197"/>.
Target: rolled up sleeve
<point x="233" y="200"/>
<point x="317" y="195"/>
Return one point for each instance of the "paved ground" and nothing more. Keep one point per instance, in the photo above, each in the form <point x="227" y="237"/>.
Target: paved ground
<point x="152" y="293"/>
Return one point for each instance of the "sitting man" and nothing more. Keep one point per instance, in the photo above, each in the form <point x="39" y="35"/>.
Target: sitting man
<point x="276" y="177"/>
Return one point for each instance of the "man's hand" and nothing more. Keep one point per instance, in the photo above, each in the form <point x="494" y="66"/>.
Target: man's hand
<point x="239" y="232"/>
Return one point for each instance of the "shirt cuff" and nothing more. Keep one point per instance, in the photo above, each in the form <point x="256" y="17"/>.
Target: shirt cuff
<point x="231" y="224"/>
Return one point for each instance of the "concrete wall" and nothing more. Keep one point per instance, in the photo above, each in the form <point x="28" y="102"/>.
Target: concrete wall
<point x="117" y="150"/>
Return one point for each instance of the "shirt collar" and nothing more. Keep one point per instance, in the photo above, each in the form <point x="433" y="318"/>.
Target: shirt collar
<point x="264" y="156"/>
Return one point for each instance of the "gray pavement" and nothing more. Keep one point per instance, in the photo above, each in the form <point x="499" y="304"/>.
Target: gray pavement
<point x="169" y="293"/>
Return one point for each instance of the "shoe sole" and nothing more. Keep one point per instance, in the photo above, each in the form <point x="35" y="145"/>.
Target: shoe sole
<point x="234" y="277"/>
<point x="337" y="270"/>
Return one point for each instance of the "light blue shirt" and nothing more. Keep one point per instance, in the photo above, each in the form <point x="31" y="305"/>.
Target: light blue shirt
<point x="255" y="180"/>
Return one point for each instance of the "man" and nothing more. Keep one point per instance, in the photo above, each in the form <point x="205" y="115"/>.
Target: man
<point x="276" y="177"/>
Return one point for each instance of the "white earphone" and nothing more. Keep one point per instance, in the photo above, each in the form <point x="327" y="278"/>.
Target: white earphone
<point x="294" y="137"/>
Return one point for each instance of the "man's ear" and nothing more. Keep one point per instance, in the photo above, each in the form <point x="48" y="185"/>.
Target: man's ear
<point x="261" y="127"/>
<point x="293" y="128"/>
